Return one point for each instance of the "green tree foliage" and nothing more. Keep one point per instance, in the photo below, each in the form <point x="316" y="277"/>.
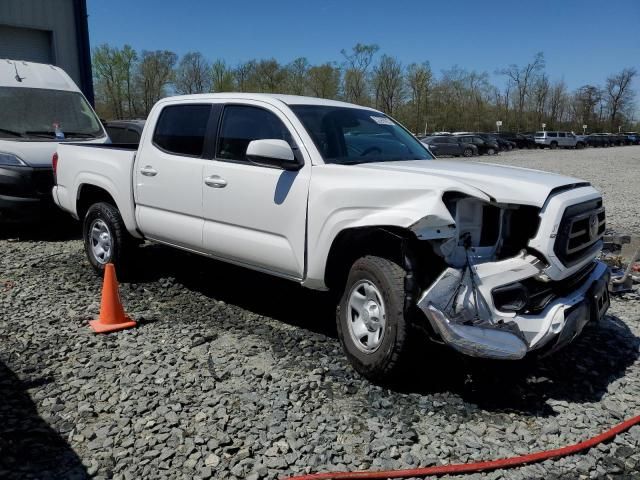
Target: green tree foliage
<point x="128" y="83"/>
<point x="324" y="81"/>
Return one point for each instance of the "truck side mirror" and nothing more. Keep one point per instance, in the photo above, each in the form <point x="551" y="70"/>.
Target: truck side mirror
<point x="272" y="152"/>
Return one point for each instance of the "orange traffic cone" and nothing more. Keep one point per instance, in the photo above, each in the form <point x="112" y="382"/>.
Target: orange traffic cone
<point x="112" y="316"/>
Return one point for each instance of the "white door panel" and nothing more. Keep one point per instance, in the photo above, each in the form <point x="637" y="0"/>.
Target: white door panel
<point x="258" y="217"/>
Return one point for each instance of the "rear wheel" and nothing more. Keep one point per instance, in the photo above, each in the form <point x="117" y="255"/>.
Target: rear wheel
<point x="372" y="326"/>
<point x="106" y="239"/>
<point x="579" y="145"/>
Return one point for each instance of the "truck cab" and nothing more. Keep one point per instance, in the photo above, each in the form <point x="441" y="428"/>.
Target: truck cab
<point x="40" y="107"/>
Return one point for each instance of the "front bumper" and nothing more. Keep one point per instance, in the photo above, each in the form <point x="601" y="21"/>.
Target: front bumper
<point x="24" y="191"/>
<point x="473" y="325"/>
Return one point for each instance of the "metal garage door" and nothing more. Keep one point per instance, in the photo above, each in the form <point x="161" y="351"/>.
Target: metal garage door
<point x="25" y="44"/>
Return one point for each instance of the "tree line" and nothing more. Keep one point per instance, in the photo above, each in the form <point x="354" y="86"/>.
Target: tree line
<point x="128" y="83"/>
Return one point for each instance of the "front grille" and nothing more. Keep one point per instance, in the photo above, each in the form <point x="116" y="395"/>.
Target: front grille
<point x="580" y="233"/>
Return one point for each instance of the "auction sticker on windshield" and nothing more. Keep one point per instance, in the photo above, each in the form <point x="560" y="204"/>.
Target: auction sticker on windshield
<point x="382" y="120"/>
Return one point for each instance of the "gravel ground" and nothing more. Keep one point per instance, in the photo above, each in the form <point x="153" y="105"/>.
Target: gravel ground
<point x="221" y="381"/>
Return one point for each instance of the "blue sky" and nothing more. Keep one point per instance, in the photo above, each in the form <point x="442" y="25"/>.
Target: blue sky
<point x="583" y="41"/>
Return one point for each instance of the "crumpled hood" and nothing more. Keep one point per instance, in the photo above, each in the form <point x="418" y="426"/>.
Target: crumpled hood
<point x="38" y="154"/>
<point x="504" y="184"/>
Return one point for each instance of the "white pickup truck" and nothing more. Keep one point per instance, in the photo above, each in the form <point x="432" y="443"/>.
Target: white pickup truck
<point x="494" y="261"/>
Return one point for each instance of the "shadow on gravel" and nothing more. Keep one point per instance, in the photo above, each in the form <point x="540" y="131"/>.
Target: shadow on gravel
<point x="579" y="373"/>
<point x="29" y="448"/>
<point x="259" y="293"/>
<point x="54" y="227"/>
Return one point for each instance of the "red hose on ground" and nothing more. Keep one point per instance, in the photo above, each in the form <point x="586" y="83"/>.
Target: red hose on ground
<point x="478" y="466"/>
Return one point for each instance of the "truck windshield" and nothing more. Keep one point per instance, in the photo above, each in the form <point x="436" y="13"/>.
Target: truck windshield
<point x="31" y="114"/>
<point x="355" y="135"/>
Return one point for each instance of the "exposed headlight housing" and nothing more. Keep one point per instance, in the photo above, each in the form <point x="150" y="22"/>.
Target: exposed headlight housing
<point x="11" y="159"/>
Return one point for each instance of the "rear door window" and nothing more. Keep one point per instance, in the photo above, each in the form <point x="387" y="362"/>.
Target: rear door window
<point x="561" y="134"/>
<point x="181" y="129"/>
<point x="552" y="134"/>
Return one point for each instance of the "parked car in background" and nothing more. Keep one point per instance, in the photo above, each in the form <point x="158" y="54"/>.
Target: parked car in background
<point x="441" y="145"/>
<point x="555" y="139"/>
<point x="124" y="131"/>
<point x="40" y="107"/>
<point x="485" y="146"/>
<point x="503" y="144"/>
<point x="493" y="261"/>
<point x="598" y="140"/>
<point x="633" y="138"/>
<point x="520" y="140"/>
<point x="618" y="139"/>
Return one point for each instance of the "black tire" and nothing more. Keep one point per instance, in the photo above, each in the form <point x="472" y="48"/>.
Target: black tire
<point x="491" y="151"/>
<point x="553" y="145"/>
<point x="122" y="243"/>
<point x="467" y="152"/>
<point x="384" y="364"/>
<point x="579" y="145"/>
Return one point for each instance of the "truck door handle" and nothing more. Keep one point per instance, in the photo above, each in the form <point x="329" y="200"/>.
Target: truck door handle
<point x="215" y="181"/>
<point x="148" y="171"/>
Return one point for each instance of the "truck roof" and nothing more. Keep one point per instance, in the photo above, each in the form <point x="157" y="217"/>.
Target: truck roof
<point x="271" y="98"/>
<point x="18" y="73"/>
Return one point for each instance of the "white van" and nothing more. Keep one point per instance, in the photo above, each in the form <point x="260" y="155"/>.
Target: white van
<point x="40" y="106"/>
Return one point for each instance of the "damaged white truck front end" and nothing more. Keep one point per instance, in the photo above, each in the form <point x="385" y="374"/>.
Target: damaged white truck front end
<point x="519" y="277"/>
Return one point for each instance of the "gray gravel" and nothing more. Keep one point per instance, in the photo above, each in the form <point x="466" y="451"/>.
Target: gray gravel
<point x="232" y="374"/>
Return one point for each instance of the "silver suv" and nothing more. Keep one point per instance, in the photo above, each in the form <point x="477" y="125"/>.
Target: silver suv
<point x="554" y="140"/>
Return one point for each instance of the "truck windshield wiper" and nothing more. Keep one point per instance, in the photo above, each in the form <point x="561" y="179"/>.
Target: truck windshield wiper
<point x="79" y="135"/>
<point x="40" y="133"/>
<point x="11" y="132"/>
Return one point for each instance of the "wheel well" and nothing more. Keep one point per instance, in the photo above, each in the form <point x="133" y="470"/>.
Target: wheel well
<point x="90" y="194"/>
<point x="394" y="243"/>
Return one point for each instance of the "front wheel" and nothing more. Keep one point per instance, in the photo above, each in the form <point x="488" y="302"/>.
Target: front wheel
<point x="372" y="326"/>
<point x="467" y="152"/>
<point x="106" y="239"/>
<point x="491" y="151"/>
<point x="553" y="145"/>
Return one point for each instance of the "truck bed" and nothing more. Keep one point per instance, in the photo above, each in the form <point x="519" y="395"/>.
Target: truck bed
<point x="106" y="166"/>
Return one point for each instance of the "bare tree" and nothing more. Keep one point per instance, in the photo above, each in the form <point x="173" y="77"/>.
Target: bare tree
<point x="155" y="72"/>
<point x="539" y="94"/>
<point x="221" y="77"/>
<point x="244" y="73"/>
<point x="192" y="74"/>
<point x="297" y="72"/>
<point x="419" y="79"/>
<point x="557" y="102"/>
<point x="388" y="84"/>
<point x="356" y="72"/>
<point x="619" y="94"/>
<point x="521" y="79"/>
